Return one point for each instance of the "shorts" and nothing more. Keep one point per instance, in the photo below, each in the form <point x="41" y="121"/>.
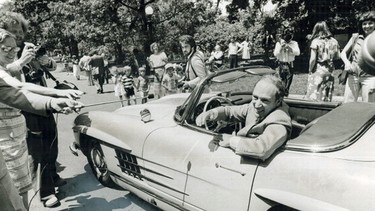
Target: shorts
<point x="129" y="92"/>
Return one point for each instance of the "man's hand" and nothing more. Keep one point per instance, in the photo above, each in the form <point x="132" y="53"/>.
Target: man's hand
<point x="69" y="93"/>
<point x="206" y="116"/>
<point x="230" y="141"/>
<point x="65" y="106"/>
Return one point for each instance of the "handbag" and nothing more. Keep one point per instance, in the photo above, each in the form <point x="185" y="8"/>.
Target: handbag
<point x="343" y="76"/>
<point x="65" y="85"/>
<point x="61" y="85"/>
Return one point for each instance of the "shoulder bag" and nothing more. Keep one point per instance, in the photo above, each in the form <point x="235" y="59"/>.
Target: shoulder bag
<point x="343" y="76"/>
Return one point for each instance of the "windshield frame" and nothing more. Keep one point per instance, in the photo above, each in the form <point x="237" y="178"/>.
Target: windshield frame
<point x="191" y="102"/>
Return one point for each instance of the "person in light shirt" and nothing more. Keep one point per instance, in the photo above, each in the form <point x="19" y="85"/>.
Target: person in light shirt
<point x="285" y="52"/>
<point x="233" y="50"/>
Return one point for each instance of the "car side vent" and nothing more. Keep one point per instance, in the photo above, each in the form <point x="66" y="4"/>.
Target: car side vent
<point x="128" y="164"/>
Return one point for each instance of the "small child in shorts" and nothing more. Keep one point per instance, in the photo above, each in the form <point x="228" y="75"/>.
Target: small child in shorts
<point x="143" y="85"/>
<point x="180" y="74"/>
<point x="170" y="80"/>
<point x="128" y="83"/>
<point x="119" y="88"/>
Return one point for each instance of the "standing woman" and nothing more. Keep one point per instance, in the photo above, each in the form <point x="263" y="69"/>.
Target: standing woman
<point x="246" y="47"/>
<point x="13" y="130"/>
<point x="157" y="61"/>
<point x="324" y="49"/>
<point x="358" y="82"/>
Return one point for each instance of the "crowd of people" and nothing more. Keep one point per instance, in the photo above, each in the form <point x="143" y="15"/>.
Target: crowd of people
<point x="32" y="132"/>
<point x="324" y="49"/>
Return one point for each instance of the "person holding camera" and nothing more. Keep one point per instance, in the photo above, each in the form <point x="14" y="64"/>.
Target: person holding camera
<point x="286" y="49"/>
<point x="42" y="138"/>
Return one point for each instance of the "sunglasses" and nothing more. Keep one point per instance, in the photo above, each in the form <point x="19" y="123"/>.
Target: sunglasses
<point x="8" y="49"/>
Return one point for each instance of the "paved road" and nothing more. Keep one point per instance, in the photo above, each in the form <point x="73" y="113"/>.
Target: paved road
<point x="83" y="191"/>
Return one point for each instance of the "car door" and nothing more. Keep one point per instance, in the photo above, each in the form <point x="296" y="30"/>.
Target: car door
<point x="187" y="164"/>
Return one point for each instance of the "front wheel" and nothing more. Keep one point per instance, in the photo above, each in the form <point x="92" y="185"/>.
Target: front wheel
<point x="98" y="165"/>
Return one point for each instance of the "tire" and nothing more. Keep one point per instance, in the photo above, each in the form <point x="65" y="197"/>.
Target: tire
<point x="96" y="159"/>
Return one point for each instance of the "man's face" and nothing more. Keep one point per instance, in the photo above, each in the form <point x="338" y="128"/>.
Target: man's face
<point x="264" y="98"/>
<point x="17" y="30"/>
<point x="186" y="49"/>
<point x="8" y="51"/>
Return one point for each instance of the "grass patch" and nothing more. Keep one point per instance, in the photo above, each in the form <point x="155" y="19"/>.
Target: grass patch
<point x="299" y="84"/>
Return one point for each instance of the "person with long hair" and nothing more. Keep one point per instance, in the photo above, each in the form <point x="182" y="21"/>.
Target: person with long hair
<point x="195" y="67"/>
<point x="324" y="49"/>
<point x="13" y="143"/>
<point x="358" y="82"/>
<point x="157" y="60"/>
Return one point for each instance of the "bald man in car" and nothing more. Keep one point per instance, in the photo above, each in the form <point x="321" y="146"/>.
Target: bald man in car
<point x="266" y="117"/>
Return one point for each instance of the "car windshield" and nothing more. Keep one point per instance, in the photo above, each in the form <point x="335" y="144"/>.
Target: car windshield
<point x="225" y="88"/>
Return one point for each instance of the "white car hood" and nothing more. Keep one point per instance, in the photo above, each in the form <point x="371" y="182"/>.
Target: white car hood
<point x="159" y="109"/>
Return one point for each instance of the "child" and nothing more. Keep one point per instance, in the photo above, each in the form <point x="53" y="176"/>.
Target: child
<point x="128" y="83"/>
<point x="180" y="74"/>
<point x="143" y="85"/>
<point x="119" y="88"/>
<point x="170" y="80"/>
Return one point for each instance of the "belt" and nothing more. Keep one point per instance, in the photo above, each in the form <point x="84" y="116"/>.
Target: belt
<point x="10" y="113"/>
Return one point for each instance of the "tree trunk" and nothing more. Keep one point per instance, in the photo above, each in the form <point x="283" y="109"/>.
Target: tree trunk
<point x="119" y="56"/>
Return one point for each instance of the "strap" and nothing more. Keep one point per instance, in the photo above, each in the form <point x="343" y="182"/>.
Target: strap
<point x="356" y="37"/>
<point x="50" y="75"/>
<point x="195" y="73"/>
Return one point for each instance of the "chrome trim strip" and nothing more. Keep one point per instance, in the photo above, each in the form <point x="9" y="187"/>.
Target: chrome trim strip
<point x="177" y="206"/>
<point x="144" y="168"/>
<point x="141" y="176"/>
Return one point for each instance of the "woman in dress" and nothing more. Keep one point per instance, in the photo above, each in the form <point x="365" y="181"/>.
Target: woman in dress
<point x="358" y="82"/>
<point x="157" y="61"/>
<point x="324" y="49"/>
<point x="246" y="46"/>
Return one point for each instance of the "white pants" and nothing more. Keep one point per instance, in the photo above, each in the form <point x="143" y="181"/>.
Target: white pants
<point x="359" y="85"/>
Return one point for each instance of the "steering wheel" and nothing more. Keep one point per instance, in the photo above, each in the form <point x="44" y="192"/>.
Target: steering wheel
<point x="221" y="124"/>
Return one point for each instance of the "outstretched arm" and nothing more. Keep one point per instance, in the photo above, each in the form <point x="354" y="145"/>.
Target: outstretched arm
<point x="34" y="103"/>
<point x="260" y="147"/>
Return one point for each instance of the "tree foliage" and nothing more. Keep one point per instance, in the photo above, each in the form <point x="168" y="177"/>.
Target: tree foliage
<point x="118" y="26"/>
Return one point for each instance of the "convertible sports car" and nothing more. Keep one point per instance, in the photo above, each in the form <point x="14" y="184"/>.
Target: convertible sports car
<point x="156" y="151"/>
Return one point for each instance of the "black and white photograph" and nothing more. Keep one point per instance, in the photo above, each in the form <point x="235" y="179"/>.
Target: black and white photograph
<point x="149" y="105"/>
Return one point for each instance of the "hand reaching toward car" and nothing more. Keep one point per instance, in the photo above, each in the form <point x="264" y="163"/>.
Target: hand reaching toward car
<point x="69" y="93"/>
<point x="65" y="106"/>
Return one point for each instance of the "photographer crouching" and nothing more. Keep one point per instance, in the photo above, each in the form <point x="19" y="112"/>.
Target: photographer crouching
<point x="285" y="52"/>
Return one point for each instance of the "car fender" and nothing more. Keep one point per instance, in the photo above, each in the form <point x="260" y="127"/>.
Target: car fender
<point x="296" y="201"/>
<point x="101" y="136"/>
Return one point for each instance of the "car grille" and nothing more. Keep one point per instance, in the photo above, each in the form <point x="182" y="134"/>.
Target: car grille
<point x="128" y="164"/>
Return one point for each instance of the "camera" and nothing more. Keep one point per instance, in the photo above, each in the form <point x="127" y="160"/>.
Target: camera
<point x="287" y="35"/>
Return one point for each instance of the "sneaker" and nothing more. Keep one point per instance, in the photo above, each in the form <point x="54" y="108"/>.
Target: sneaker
<point x="50" y="201"/>
<point x="60" y="182"/>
